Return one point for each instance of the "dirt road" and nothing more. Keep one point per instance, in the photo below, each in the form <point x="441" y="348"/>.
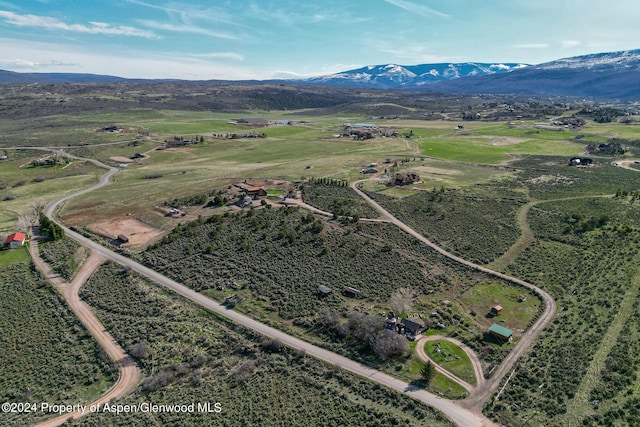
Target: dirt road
<point x="482" y="393"/>
<point x="452" y="410"/>
<point x="473" y="357"/>
<point x="128" y="372"/>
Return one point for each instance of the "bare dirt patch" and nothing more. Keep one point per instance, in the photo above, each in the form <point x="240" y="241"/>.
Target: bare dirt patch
<point x="137" y="232"/>
<point x="121" y="159"/>
<point x="506" y="140"/>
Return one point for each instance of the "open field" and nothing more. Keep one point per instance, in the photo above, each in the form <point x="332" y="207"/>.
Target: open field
<point x="14" y="256"/>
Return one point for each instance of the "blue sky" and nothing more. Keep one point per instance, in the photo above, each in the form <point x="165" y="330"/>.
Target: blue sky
<point x="263" y="39"/>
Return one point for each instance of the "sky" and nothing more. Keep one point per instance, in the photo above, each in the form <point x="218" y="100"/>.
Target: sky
<point x="284" y="39"/>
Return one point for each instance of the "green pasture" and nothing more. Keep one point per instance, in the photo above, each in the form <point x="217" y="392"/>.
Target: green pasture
<point x="446" y="387"/>
<point x="16" y="200"/>
<point x="14" y="256"/>
<point x="485" y="150"/>
<point x="452" y="358"/>
<point x="519" y="305"/>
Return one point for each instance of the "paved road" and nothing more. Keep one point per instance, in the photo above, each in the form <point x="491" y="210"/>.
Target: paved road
<point x="128" y="372"/>
<point x="457" y="414"/>
<point x="482" y="393"/>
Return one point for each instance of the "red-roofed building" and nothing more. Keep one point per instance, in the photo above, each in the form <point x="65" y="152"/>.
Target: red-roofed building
<point x="15" y="240"/>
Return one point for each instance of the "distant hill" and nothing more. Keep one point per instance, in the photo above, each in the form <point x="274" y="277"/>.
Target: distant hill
<point x="613" y="75"/>
<point x="8" y="77"/>
<point x="393" y="76"/>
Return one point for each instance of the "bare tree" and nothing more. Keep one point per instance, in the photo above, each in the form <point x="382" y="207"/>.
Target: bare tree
<point x="402" y="300"/>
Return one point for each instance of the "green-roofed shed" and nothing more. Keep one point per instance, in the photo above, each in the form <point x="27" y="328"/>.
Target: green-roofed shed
<point x="500" y="332"/>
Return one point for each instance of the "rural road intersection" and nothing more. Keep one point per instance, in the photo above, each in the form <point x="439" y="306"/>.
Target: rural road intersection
<point x="465" y="413"/>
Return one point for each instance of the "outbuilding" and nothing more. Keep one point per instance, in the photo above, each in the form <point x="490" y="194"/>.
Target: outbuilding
<point x="501" y="333"/>
<point x="496" y="309"/>
<point x="15" y="240"/>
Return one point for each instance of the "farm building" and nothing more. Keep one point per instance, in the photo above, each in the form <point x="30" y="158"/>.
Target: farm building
<point x="123" y="239"/>
<point x="255" y="191"/>
<point x="15" y="240"/>
<point x="405" y="178"/>
<point x="496" y="309"/>
<point x="501" y="333"/>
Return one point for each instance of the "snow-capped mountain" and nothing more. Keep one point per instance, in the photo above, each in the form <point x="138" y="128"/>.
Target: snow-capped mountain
<point x="393" y="75"/>
<point x="601" y="61"/>
<point x="611" y="75"/>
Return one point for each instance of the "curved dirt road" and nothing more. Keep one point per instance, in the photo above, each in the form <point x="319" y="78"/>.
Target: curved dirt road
<point x="473" y="357"/>
<point x="128" y="372"/>
<point x="484" y="392"/>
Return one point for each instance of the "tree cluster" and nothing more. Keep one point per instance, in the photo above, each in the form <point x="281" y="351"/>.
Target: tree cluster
<point x="50" y="228"/>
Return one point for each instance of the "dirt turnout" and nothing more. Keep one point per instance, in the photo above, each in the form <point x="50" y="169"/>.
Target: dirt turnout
<point x="137" y="232"/>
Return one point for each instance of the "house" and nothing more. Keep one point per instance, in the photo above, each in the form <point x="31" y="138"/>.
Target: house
<point x="501" y="333"/>
<point x="580" y="161"/>
<point x="255" y="191"/>
<point x="15" y="240"/>
<point x="414" y="326"/>
<point x="406" y="178"/>
<point x="496" y="309"/>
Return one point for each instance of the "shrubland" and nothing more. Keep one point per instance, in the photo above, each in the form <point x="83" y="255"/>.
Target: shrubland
<point x="47" y="355"/>
<point x="190" y="355"/>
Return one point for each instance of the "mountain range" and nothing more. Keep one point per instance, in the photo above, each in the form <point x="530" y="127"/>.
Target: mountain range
<point x="393" y="76"/>
<point x="613" y="75"/>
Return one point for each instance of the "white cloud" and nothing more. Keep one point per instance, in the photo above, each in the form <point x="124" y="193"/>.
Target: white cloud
<point x="570" y="43"/>
<point x="19" y="55"/>
<point x="24" y="64"/>
<point x="219" y="55"/>
<point x="180" y="28"/>
<point x="416" y="8"/>
<point x="49" y="23"/>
